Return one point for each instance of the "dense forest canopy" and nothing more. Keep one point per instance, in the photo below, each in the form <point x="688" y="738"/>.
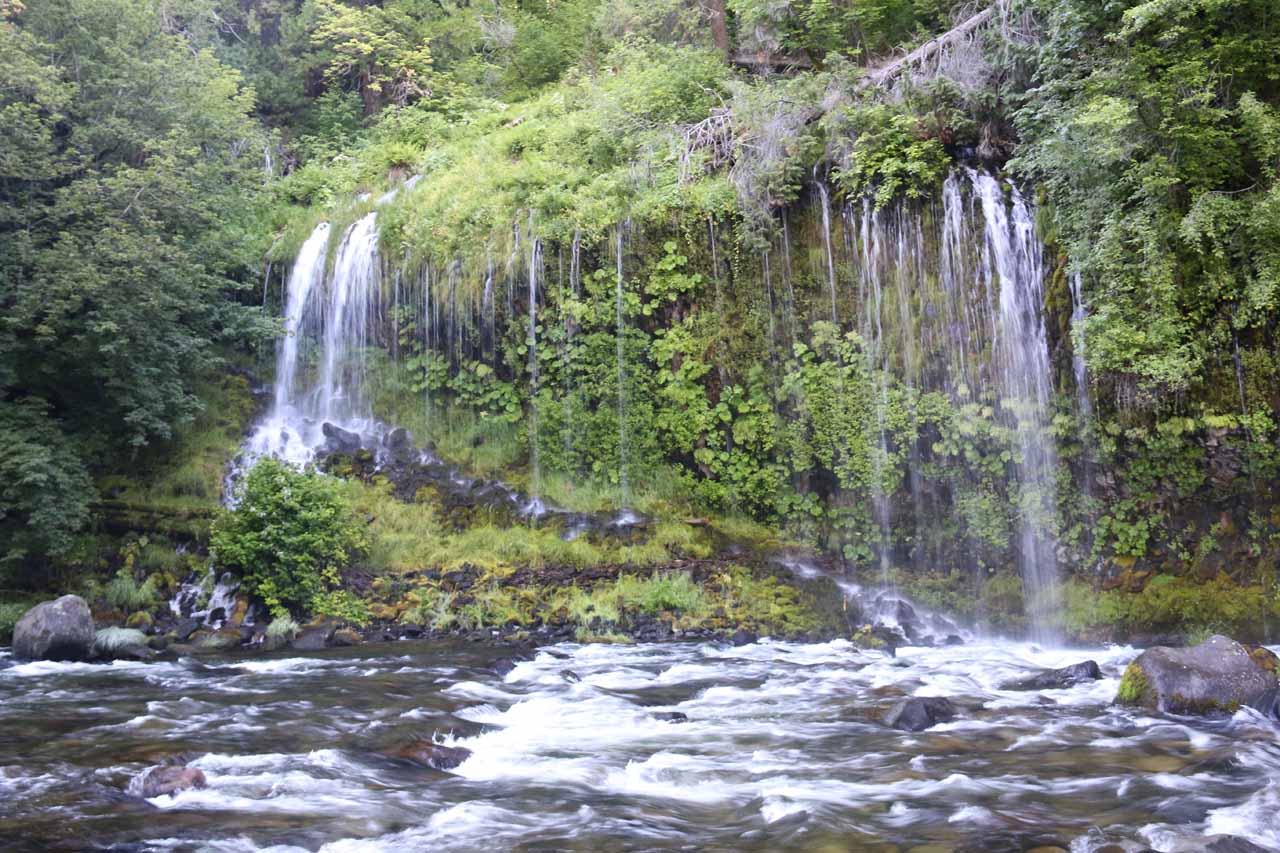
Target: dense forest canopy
<point x="157" y="158"/>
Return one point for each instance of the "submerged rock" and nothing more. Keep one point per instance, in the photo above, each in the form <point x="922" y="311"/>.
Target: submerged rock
<point x="55" y="630"/>
<point x="1217" y="677"/>
<point x="161" y="781"/>
<point x="671" y="716"/>
<point x="1051" y="679"/>
<point x="918" y="713"/>
<point x="434" y="755"/>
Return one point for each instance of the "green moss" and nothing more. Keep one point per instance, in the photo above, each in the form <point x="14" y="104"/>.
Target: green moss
<point x="1192" y="606"/>
<point x="1133" y="686"/>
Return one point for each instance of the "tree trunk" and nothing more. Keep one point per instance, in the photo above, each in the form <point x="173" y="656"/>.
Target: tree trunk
<point x="719" y="25"/>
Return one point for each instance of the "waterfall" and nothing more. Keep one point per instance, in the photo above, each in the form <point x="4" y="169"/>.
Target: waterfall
<point x="340" y="310"/>
<point x="307" y="272"/>
<point x="535" y="262"/>
<point x="623" y="478"/>
<point x="951" y="301"/>
<point x="348" y="313"/>
<point x="826" y="243"/>
<point x="1014" y="266"/>
<point x="1079" y="313"/>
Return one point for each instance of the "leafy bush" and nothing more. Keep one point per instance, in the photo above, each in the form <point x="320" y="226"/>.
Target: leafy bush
<point x="125" y="593"/>
<point x="288" y="537"/>
<point x="282" y="627"/>
<point x="10" y="613"/>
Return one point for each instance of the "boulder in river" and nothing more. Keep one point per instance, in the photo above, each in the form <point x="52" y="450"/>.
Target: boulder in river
<point x="437" y="756"/>
<point x="55" y="630"/>
<point x="159" y="781"/>
<point x="212" y="642"/>
<point x="313" y="639"/>
<point x="917" y="713"/>
<point x="1217" y="677"/>
<point x="1051" y="679"/>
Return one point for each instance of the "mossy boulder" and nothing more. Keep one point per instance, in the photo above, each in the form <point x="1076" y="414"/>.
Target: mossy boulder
<point x="1215" y="678"/>
<point x="140" y="620"/>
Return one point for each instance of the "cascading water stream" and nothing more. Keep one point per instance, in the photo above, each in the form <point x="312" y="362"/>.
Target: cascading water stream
<point x="535" y="263"/>
<point x="1014" y="265"/>
<point x="623" y="441"/>
<point x="339" y="310"/>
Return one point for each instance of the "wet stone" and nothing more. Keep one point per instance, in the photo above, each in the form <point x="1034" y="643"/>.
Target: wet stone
<point x="162" y="781"/>
<point x="434" y="755"/>
<point x="919" y="713"/>
<point x="1052" y="679"/>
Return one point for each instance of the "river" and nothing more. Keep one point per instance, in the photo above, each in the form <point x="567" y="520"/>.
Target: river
<point x="782" y="749"/>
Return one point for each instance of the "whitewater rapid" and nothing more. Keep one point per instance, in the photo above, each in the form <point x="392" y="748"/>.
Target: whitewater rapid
<point x="782" y="748"/>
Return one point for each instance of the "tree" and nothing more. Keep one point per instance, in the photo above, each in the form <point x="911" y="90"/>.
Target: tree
<point x="129" y="168"/>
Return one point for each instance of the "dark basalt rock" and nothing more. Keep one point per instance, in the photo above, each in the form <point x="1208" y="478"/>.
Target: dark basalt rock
<point x="161" y="781"/>
<point x="570" y="676"/>
<point x="743" y="637"/>
<point x="918" y="713"/>
<point x="503" y="665"/>
<point x="671" y="717"/>
<point x="434" y="755"/>
<point x="1215" y="678"/>
<point x="1051" y="679"/>
<point x="55" y="630"/>
<point x="399" y="444"/>
<point x="184" y="629"/>
<point x="339" y="440"/>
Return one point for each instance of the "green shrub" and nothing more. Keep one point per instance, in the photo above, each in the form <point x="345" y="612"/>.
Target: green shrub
<point x="282" y="627"/>
<point x="288" y="537"/>
<point x="108" y="641"/>
<point x="10" y="613"/>
<point x="123" y="592"/>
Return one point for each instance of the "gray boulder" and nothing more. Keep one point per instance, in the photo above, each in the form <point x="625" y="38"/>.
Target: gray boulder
<point x="1215" y="678"/>
<point x="55" y="630"/>
<point x="917" y="713"/>
<point x="1051" y="679"/>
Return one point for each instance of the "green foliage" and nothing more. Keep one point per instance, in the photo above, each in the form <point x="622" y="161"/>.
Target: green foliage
<point x="124" y="593"/>
<point x="282" y="627"/>
<point x="288" y="537"/>
<point x="44" y="487"/>
<point x="108" y="641"/>
<point x="891" y="155"/>
<point x="10" y="613"/>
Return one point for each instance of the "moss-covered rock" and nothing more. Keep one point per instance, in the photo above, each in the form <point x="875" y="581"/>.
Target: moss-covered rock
<point x="1217" y="677"/>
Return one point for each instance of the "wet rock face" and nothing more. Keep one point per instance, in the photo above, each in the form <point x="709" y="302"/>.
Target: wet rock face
<point x="339" y="440"/>
<point x="161" y="781"/>
<point x="919" y="713"/>
<point x="433" y="755"/>
<point x="1217" y="677"/>
<point x="1052" y="679"/>
<point x="55" y="630"/>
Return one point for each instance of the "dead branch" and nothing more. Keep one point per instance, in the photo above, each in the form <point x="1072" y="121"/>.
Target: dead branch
<point x="930" y="50"/>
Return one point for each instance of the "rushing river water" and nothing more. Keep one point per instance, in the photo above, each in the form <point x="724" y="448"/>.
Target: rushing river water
<point x="782" y="749"/>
